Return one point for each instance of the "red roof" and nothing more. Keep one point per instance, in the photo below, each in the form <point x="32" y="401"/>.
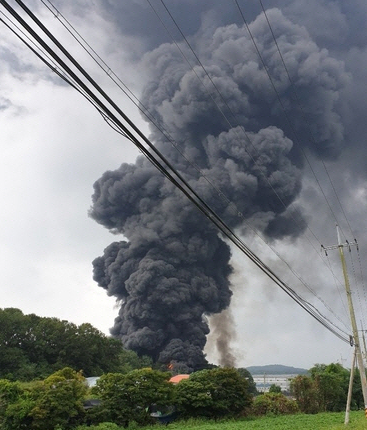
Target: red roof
<point x="177" y="378"/>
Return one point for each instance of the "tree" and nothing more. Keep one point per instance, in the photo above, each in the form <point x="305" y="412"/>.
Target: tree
<point x="129" y="360"/>
<point x="34" y="347"/>
<point x="213" y="393"/>
<point x="275" y="389"/>
<point x="59" y="401"/>
<point x="304" y="390"/>
<point x="251" y="388"/>
<point x="127" y="397"/>
<point x="10" y="392"/>
<point x="331" y="385"/>
<point x="324" y="390"/>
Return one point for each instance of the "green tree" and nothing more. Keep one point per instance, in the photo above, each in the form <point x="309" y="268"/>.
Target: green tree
<point x="331" y="385"/>
<point x="324" y="390"/>
<point x="10" y="392"/>
<point x="304" y="390"/>
<point x="213" y="393"/>
<point x="251" y="388"/>
<point x="34" y="347"/>
<point x="127" y="397"/>
<point x="18" y="414"/>
<point x="275" y="389"/>
<point x="59" y="401"/>
<point x="129" y="360"/>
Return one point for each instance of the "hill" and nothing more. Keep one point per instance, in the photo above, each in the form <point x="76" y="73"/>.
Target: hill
<point x="276" y="369"/>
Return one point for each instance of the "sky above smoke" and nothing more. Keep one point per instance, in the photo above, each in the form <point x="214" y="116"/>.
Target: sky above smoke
<point x="55" y="147"/>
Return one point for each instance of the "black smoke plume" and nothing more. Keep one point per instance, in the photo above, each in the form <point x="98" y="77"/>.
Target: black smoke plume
<point x="173" y="268"/>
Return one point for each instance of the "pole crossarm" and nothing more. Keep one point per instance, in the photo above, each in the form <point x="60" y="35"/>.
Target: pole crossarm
<point x="342" y="245"/>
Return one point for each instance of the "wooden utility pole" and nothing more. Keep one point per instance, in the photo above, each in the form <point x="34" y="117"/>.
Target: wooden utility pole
<point x="357" y="347"/>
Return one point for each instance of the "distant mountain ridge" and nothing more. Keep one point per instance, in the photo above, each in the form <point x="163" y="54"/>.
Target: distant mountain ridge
<point x="276" y="369"/>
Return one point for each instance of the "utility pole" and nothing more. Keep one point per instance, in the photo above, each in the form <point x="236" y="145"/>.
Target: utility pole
<point x="350" y="388"/>
<point x="358" y="353"/>
<point x="364" y="344"/>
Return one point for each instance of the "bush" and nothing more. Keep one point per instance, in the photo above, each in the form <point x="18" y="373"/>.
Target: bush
<point x="213" y="393"/>
<point x="273" y="404"/>
<point x="127" y="397"/>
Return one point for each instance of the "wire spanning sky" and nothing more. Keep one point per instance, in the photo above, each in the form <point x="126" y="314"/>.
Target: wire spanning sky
<point x="56" y="147"/>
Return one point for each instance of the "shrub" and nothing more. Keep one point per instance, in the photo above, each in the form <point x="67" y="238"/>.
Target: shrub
<point x="273" y="404"/>
<point x="213" y="393"/>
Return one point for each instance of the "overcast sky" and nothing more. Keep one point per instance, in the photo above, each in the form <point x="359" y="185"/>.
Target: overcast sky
<point x="55" y="146"/>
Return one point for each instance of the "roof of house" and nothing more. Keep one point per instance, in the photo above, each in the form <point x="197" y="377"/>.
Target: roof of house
<point x="177" y="378"/>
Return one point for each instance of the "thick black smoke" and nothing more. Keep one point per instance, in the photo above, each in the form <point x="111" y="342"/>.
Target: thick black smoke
<point x="173" y="268"/>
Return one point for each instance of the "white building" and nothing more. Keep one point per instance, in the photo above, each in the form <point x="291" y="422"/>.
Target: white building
<point x="265" y="381"/>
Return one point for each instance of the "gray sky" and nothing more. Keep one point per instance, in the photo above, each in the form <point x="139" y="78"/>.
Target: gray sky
<point x="55" y="146"/>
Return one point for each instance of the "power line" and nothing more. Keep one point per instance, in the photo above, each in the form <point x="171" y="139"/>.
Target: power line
<point x="284" y="109"/>
<point x="220" y="193"/>
<point x="303" y="113"/>
<point x="157" y="159"/>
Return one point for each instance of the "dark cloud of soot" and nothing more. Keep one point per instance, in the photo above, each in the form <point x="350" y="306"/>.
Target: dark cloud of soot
<point x="173" y="268"/>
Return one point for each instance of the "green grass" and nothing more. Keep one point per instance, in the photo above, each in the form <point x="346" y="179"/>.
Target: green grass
<point x="324" y="421"/>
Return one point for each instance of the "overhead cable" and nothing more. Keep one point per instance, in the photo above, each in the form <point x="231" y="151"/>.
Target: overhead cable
<point x="303" y="113"/>
<point x="220" y="193"/>
<point x="133" y="133"/>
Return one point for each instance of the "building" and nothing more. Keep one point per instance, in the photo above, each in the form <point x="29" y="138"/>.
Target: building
<point x="265" y="381"/>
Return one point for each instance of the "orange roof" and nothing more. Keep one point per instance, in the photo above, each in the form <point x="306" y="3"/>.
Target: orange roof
<point x="177" y="378"/>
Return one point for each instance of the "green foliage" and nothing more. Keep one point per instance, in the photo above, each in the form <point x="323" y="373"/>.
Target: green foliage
<point x="275" y="389"/>
<point x="332" y="387"/>
<point x="127" y="397"/>
<point x="322" y="421"/>
<point x="213" y="393"/>
<point x="14" y="405"/>
<point x="129" y="360"/>
<point x="324" y="390"/>
<point x="18" y="414"/>
<point x="304" y="390"/>
<point x="59" y="401"/>
<point x="33" y="347"/>
<point x="9" y="391"/>
<point x="273" y="404"/>
<point x="251" y="388"/>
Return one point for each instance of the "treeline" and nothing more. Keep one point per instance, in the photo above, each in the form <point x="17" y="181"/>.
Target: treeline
<point x="60" y="401"/>
<point x="326" y="389"/>
<point x="63" y="401"/>
<point x="33" y="347"/>
<point x="44" y="362"/>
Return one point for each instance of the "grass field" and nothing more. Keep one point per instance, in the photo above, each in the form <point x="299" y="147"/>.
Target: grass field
<point x="325" y="421"/>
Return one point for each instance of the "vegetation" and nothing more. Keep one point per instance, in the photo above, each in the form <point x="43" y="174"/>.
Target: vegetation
<point x="128" y="397"/>
<point x="33" y="347"/>
<point x="326" y="389"/>
<point x="213" y="393"/>
<point x="322" y="421"/>
<point x="273" y="404"/>
<point x="56" y="396"/>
